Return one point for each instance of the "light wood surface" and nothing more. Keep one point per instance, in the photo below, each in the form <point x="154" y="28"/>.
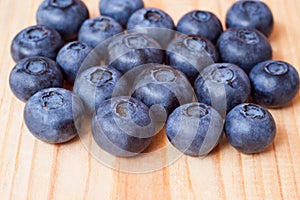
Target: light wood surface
<point x="30" y="169"/>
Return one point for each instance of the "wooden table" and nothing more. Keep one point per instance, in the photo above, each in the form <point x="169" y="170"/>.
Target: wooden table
<point x="34" y="170"/>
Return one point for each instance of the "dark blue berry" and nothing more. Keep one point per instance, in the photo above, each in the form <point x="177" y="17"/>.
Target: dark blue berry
<point x="73" y="56"/>
<point x="250" y="14"/>
<point x="132" y="50"/>
<point x="120" y="10"/>
<point x="190" y="54"/>
<point x="96" y="30"/>
<point x="154" y="22"/>
<point x="222" y="85"/>
<point x="33" y="74"/>
<point x="250" y="128"/>
<point x="274" y="83"/>
<point x="244" y="47"/>
<point x="53" y="115"/>
<point x="36" y="40"/>
<point x="201" y="23"/>
<point x="163" y="85"/>
<point x="122" y="126"/>
<point x="195" y="128"/>
<point x="66" y="16"/>
<point x="97" y="84"/>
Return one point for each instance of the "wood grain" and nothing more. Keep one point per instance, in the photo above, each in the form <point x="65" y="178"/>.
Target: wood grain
<point x="30" y="169"/>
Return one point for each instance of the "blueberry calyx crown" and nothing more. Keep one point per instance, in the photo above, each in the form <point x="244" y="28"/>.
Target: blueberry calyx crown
<point x="135" y="42"/>
<point x="249" y="7"/>
<point x="252" y="111"/>
<point x="100" y="76"/>
<point x="201" y="16"/>
<point x="36" y="34"/>
<point x="196" y="111"/>
<point x="195" y="44"/>
<point x="61" y="3"/>
<point x="52" y="100"/>
<point x="35" y="66"/>
<point x="248" y="37"/>
<point x="276" y="68"/>
<point x="124" y="108"/>
<point x="153" y="16"/>
<point x="223" y="74"/>
<point x="102" y="24"/>
<point x="164" y="75"/>
<point x="77" y="46"/>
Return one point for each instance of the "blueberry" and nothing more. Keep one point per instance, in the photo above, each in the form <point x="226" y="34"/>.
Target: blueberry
<point x="163" y="85"/>
<point x="36" y="40"/>
<point x="33" y="74"/>
<point x="152" y="21"/>
<point x="74" y="55"/>
<point x="52" y="115"/>
<point x="222" y="85"/>
<point x="244" y="47"/>
<point x="250" y="128"/>
<point x="122" y="126"/>
<point x="66" y="16"/>
<point x="250" y="14"/>
<point x="190" y="54"/>
<point x="132" y="50"/>
<point x="97" y="84"/>
<point x="96" y="30"/>
<point x="195" y="128"/>
<point x="201" y="23"/>
<point x="274" y="83"/>
<point x="120" y="10"/>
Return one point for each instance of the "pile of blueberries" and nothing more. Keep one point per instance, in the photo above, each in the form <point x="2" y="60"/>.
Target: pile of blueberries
<point x="199" y="81"/>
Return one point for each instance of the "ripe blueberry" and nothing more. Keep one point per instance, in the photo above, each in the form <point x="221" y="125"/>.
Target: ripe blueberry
<point x="201" y="23"/>
<point x="274" y="83"/>
<point x="66" y="16"/>
<point x="36" y="40"/>
<point x="120" y="10"/>
<point x="52" y="115"/>
<point x="154" y="22"/>
<point x="222" y="85"/>
<point x="244" y="47"/>
<point x="250" y="128"/>
<point x="132" y="50"/>
<point x="195" y="128"/>
<point x="250" y="14"/>
<point x="33" y="74"/>
<point x="73" y="56"/>
<point x="190" y="54"/>
<point x="122" y="126"/>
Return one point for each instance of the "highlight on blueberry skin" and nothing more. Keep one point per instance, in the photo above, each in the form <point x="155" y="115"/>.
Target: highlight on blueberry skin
<point x="154" y="22"/>
<point x="274" y="83"/>
<point x="122" y="126"/>
<point x="195" y="129"/>
<point x="132" y="50"/>
<point x="65" y="16"/>
<point x="250" y="14"/>
<point x="33" y="74"/>
<point x="244" y="47"/>
<point x="191" y="54"/>
<point x="201" y="23"/>
<point x="97" y="84"/>
<point x="250" y="128"/>
<point x="164" y="86"/>
<point x="73" y="56"/>
<point x="120" y="10"/>
<point x="222" y="85"/>
<point x="53" y="115"/>
<point x="96" y="30"/>
<point x="39" y="40"/>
